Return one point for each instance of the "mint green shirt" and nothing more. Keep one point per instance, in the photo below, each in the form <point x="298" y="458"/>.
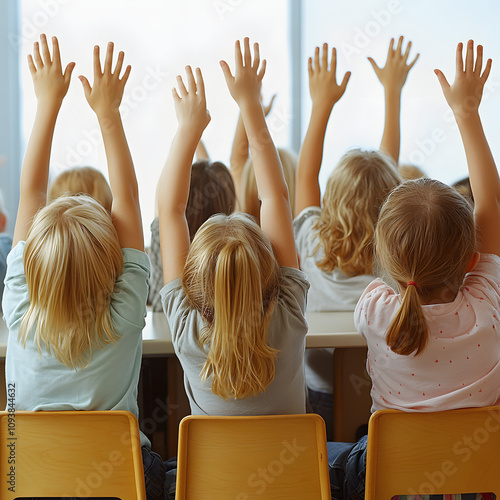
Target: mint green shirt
<point x="110" y="380"/>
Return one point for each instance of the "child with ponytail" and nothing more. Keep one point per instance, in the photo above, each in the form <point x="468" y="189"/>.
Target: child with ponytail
<point x="433" y="343"/>
<point x="234" y="298"/>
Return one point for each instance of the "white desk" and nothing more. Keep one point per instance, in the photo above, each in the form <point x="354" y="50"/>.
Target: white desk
<point x="332" y="329"/>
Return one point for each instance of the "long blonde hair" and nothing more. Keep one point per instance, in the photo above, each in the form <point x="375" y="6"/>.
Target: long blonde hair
<point x="354" y="194"/>
<point x="231" y="278"/>
<point x="250" y="203"/>
<point x="425" y="234"/>
<point x="72" y="259"/>
<point x="81" y="180"/>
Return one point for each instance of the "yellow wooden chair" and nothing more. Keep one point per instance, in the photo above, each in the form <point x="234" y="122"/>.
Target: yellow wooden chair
<point x="449" y="452"/>
<point x="70" y="454"/>
<point x="267" y="457"/>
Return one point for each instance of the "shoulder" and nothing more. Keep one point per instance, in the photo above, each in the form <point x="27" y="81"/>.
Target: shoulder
<point x="306" y="219"/>
<point x="484" y="281"/>
<point x="293" y="290"/>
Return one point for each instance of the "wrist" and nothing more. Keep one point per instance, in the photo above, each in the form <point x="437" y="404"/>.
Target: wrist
<point x="49" y="106"/>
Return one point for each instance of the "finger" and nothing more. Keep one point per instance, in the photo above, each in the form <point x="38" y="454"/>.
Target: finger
<point x="68" y="71"/>
<point x="407" y="52"/>
<point x="469" y="58"/>
<point x="247" y="56"/>
<point x="45" y="49"/>
<point x="345" y="81"/>
<point x="256" y="56"/>
<point x="310" y="67"/>
<point x="200" y="84"/>
<point x="486" y="71"/>
<point x="119" y="63"/>
<point x="270" y="105"/>
<point x="191" y="84"/>
<point x="324" y="58"/>
<point x="227" y="72"/>
<point x="31" y="65"/>
<point x="442" y="80"/>
<point x="108" y="61"/>
<point x="459" y="59"/>
<point x="36" y="56"/>
<point x="97" y="61"/>
<point x="182" y="88"/>
<point x="317" y="67"/>
<point x="479" y="60"/>
<point x="175" y="95"/>
<point x="391" y="48"/>
<point x="56" y="54"/>
<point x="399" y="45"/>
<point x="87" y="89"/>
<point x="374" y="65"/>
<point x="413" y="62"/>
<point x="238" y="58"/>
<point x="262" y="70"/>
<point x="333" y="62"/>
<point x="126" y="74"/>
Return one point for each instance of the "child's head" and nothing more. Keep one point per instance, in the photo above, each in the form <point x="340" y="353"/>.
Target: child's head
<point x="425" y="234"/>
<point x="250" y="203"/>
<point x="211" y="192"/>
<point x="232" y="278"/>
<point x="410" y="172"/>
<point x="81" y="180"/>
<point x="354" y="194"/>
<point x="72" y="259"/>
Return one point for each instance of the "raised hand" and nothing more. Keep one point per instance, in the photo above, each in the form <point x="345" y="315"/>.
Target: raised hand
<point x="190" y="103"/>
<point x="393" y="75"/>
<point x="464" y="96"/>
<point x="105" y="95"/>
<point x="246" y="83"/>
<point x="323" y="86"/>
<point x="50" y="82"/>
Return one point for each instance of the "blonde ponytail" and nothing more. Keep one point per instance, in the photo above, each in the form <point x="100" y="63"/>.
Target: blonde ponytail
<point x="408" y="331"/>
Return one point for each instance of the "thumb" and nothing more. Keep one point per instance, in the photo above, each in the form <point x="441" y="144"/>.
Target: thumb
<point x="374" y="65"/>
<point x="343" y="85"/>
<point x="87" y="89"/>
<point x="442" y="80"/>
<point x="68" y="71"/>
<point x="227" y="72"/>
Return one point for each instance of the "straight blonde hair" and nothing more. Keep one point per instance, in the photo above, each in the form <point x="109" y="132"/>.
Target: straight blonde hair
<point x="72" y="259"/>
<point x="354" y="194"/>
<point x="425" y="234"/>
<point x="231" y="278"/>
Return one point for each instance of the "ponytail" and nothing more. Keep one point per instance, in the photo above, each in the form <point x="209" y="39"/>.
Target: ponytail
<point x="408" y="331"/>
<point x="239" y="360"/>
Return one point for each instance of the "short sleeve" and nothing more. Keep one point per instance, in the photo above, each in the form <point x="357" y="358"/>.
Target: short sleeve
<point x="294" y="287"/>
<point x="15" y="298"/>
<point x="131" y="288"/>
<point x="303" y="226"/>
<point x="156" y="267"/>
<point x="484" y="281"/>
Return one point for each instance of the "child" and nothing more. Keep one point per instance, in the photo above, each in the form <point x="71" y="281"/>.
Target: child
<point x="78" y="180"/>
<point x="335" y="242"/>
<point x="5" y="245"/>
<point x="211" y="191"/>
<point x="77" y="277"/>
<point x="234" y="297"/>
<point x="433" y="343"/>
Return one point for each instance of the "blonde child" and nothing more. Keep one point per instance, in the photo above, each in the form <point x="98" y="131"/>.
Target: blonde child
<point x="77" y="277"/>
<point x="81" y="180"/>
<point x="335" y="241"/>
<point x="433" y="343"/>
<point x="234" y="298"/>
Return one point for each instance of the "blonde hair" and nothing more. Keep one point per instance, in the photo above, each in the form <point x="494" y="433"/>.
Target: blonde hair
<point x="354" y="194"/>
<point x="426" y="234"/>
<point x="250" y="203"/>
<point x="231" y="278"/>
<point x="81" y="180"/>
<point x="410" y="172"/>
<point x="72" y="259"/>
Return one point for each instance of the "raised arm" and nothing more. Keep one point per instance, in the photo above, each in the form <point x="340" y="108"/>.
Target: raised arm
<point x="275" y="214"/>
<point x="393" y="77"/>
<point x="325" y="92"/>
<point x="51" y="85"/>
<point x="464" y="97"/>
<point x="173" y="186"/>
<point x="104" y="97"/>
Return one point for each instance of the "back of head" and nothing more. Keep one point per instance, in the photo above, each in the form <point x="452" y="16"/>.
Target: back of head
<point x="425" y="234"/>
<point x="72" y="259"/>
<point x="410" y="172"/>
<point x="354" y="194"/>
<point x="211" y="192"/>
<point x="232" y="278"/>
<point x="82" y="180"/>
<point x="250" y="195"/>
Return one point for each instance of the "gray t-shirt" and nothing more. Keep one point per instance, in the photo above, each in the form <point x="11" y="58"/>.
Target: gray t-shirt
<point x="330" y="291"/>
<point x="287" y="331"/>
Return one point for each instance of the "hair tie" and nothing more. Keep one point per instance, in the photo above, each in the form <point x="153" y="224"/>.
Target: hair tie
<point x="410" y="283"/>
